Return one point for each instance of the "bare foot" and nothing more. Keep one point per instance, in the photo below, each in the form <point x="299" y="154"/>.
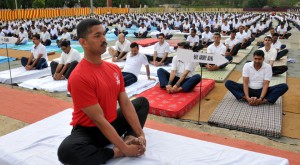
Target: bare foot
<point x="117" y="152"/>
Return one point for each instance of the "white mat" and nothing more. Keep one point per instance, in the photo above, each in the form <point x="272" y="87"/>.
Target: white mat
<point x="46" y="83"/>
<point x="153" y="69"/>
<point x="140" y="86"/>
<point x="49" y="85"/>
<point x="20" y="75"/>
<point x="38" y="143"/>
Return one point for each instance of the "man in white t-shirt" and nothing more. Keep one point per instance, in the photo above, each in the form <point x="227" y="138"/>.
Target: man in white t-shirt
<point x="121" y="49"/>
<point x="225" y="28"/>
<point x="217" y="48"/>
<point x="256" y="80"/>
<point x="161" y="52"/>
<point x="282" y="31"/>
<point x="270" y="56"/>
<point x="142" y="33"/>
<point x="53" y="32"/>
<point x="45" y="37"/>
<point x="64" y="36"/>
<point x="68" y="61"/>
<point x="181" y="78"/>
<point x="193" y="40"/>
<point x="23" y="37"/>
<point x="38" y="58"/>
<point x="281" y="49"/>
<point x="166" y="31"/>
<point x="207" y="37"/>
<point x="232" y="44"/>
<point x="134" y="62"/>
<point x="121" y="29"/>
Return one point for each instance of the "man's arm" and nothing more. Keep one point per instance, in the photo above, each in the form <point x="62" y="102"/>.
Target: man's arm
<point x="164" y="57"/>
<point x="148" y="72"/>
<point x="182" y="77"/>
<point x="271" y="62"/>
<point x="95" y="113"/>
<point x="246" y="89"/>
<point x="264" y="91"/>
<point x="29" y="59"/>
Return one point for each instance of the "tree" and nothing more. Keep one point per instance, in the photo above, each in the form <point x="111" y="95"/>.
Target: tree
<point x="54" y="3"/>
<point x="71" y="3"/>
<point x="38" y="3"/>
<point x="257" y="3"/>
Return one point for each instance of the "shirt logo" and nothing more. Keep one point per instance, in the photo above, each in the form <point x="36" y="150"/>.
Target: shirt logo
<point x="116" y="75"/>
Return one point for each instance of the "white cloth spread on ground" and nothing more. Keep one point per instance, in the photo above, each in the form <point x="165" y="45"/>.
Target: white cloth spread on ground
<point x="38" y="144"/>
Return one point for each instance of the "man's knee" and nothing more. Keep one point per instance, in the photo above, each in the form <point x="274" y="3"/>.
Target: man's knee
<point x="228" y="84"/>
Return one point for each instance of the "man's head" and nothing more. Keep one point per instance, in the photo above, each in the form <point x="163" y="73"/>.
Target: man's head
<point x="91" y="36"/>
<point x="65" y="46"/>
<point x="207" y="29"/>
<point x="36" y="39"/>
<point x="161" y="38"/>
<point x="217" y="38"/>
<point x="193" y="32"/>
<point x="183" y="45"/>
<point x="65" y="30"/>
<point x="232" y="34"/>
<point x="272" y="31"/>
<point x="241" y="29"/>
<point x="282" y="25"/>
<point x="21" y="29"/>
<point x="275" y="37"/>
<point x="134" y="48"/>
<point x="121" y="38"/>
<point x="44" y="29"/>
<point x="267" y="41"/>
<point x="258" y="58"/>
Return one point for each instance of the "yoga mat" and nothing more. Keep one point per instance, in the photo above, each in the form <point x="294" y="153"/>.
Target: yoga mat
<point x="218" y="75"/>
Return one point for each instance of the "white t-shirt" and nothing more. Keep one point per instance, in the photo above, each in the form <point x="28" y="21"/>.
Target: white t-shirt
<point x="125" y="47"/>
<point x="192" y="40"/>
<point x="186" y="26"/>
<point x="241" y="36"/>
<point x="213" y="49"/>
<point x="270" y="55"/>
<point x="45" y="36"/>
<point x="23" y="35"/>
<point x="161" y="49"/>
<point x="142" y="30"/>
<point x="225" y="27"/>
<point x="181" y="66"/>
<point x="133" y="64"/>
<point x="40" y="49"/>
<point x="281" y="31"/>
<point x="257" y="77"/>
<point x="207" y="36"/>
<point x="121" y="28"/>
<point x="231" y="42"/>
<point x="54" y="32"/>
<point x="73" y="55"/>
<point x="66" y="36"/>
<point x="165" y="31"/>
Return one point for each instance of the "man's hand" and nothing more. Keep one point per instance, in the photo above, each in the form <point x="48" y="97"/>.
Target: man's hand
<point x="169" y="89"/>
<point x="149" y="78"/>
<point x="28" y="67"/>
<point x="57" y="76"/>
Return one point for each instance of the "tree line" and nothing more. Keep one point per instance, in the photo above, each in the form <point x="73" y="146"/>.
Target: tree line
<point x="23" y="4"/>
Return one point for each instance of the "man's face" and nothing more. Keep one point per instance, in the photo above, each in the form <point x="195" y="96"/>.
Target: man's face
<point x="134" y="51"/>
<point x="232" y="35"/>
<point x="274" y="39"/>
<point x="193" y="33"/>
<point x="35" y="41"/>
<point x="217" y="38"/>
<point x="161" y="39"/>
<point x="272" y="31"/>
<point x="267" y="41"/>
<point x="241" y="29"/>
<point x="95" y="41"/>
<point x="258" y="60"/>
<point x="121" y="38"/>
<point x="66" y="49"/>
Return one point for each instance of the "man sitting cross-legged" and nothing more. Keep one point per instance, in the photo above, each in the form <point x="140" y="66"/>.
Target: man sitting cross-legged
<point x="38" y="58"/>
<point x="68" y="61"/>
<point x="134" y="62"/>
<point x="256" y="79"/>
<point x="181" y="78"/>
<point x="121" y="49"/>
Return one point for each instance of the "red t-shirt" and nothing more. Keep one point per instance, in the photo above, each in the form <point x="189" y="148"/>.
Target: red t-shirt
<point x="90" y="84"/>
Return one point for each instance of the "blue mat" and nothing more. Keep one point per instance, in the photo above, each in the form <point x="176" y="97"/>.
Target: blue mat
<point x="3" y="59"/>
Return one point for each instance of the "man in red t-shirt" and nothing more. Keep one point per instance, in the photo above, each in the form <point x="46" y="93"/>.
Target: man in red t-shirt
<point x="96" y="86"/>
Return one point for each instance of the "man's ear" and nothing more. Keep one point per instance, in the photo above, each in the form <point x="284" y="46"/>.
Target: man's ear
<point x="82" y="42"/>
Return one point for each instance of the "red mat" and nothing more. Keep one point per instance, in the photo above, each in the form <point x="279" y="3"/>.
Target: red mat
<point x="175" y="105"/>
<point x="29" y="107"/>
<point x="173" y="42"/>
<point x="147" y="42"/>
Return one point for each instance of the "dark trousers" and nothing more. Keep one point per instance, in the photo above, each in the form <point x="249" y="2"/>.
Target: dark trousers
<point x="167" y="61"/>
<point x="187" y="85"/>
<point x="281" y="53"/>
<point x="235" y="49"/>
<point x="144" y="35"/>
<point x="279" y="69"/>
<point x="41" y="64"/>
<point x="273" y="93"/>
<point x="47" y="42"/>
<point x="69" y="70"/>
<point x="87" y="145"/>
<point x="129" y="78"/>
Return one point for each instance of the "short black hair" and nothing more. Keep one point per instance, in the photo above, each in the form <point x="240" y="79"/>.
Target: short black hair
<point x="233" y="31"/>
<point x="276" y="34"/>
<point x="217" y="34"/>
<point x="65" y="43"/>
<point x="84" y="27"/>
<point x="134" y="44"/>
<point x="21" y="28"/>
<point x="259" y="53"/>
<point x="37" y="36"/>
<point x="184" y="44"/>
<point x="193" y="30"/>
<point x="161" y="34"/>
<point x="269" y="37"/>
